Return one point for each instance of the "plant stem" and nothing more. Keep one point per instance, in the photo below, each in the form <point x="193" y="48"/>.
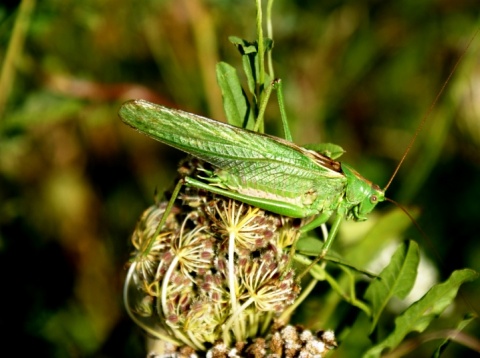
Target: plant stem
<point x="15" y="46"/>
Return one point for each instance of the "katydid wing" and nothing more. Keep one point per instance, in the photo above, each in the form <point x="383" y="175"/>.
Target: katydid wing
<point x="259" y="169"/>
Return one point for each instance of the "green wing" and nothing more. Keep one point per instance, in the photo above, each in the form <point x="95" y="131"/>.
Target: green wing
<point x="252" y="161"/>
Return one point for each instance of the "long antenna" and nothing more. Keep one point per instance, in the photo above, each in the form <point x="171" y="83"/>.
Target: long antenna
<point x="417" y="226"/>
<point x="430" y="109"/>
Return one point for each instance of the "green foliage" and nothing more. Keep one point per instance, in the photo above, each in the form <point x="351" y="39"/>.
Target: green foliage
<point x="235" y="103"/>
<point x="396" y="279"/>
<point x="420" y="314"/>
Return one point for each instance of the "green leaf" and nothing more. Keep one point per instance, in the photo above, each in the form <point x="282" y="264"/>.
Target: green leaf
<point x="309" y="245"/>
<point x="267" y="44"/>
<point x="397" y="279"/>
<point x="244" y="47"/>
<point x="331" y="150"/>
<point x="249" y="69"/>
<point x="249" y="52"/>
<point x="250" y="61"/>
<point x="235" y="103"/>
<point x="419" y="315"/>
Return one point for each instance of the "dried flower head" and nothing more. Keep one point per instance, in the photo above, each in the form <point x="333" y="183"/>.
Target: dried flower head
<point x="215" y="274"/>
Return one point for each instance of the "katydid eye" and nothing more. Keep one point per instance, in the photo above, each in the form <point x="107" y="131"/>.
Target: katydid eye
<point x="373" y="199"/>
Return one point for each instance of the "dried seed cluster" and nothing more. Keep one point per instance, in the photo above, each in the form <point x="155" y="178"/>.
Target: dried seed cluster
<point x="216" y="271"/>
<point x="286" y="342"/>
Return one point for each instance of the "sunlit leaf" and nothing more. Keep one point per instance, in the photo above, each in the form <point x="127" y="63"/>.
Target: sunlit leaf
<point x="397" y="279"/>
<point x="420" y="314"/>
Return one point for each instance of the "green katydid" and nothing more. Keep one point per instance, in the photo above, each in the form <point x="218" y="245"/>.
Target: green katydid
<point x="268" y="172"/>
<point x="261" y="170"/>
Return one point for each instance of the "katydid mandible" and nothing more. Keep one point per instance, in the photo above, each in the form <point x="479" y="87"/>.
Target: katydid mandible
<point x="261" y="170"/>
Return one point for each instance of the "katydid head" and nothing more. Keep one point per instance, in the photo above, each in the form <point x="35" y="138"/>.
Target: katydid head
<point x="361" y="194"/>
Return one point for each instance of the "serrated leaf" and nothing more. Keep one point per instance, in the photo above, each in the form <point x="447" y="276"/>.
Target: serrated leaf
<point x="235" y="103"/>
<point x="419" y="315"/>
<point x="397" y="279"/>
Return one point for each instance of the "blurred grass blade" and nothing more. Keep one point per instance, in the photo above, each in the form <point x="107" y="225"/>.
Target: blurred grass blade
<point x="419" y="315"/>
<point x="15" y="46"/>
<point x="397" y="279"/>
<point x="235" y="103"/>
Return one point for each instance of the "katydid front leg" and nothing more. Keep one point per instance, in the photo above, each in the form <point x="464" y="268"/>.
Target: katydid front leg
<point x="318" y="221"/>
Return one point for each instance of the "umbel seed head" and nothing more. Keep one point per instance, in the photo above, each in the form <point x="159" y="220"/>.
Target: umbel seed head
<point x="216" y="271"/>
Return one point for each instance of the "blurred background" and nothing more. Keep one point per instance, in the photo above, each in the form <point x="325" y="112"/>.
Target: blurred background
<point x="74" y="179"/>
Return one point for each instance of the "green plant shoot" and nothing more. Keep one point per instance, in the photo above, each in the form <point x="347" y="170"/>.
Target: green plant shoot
<point x="261" y="170"/>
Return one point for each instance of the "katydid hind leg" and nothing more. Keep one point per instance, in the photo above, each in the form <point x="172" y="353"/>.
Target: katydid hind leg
<point x="274" y="206"/>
